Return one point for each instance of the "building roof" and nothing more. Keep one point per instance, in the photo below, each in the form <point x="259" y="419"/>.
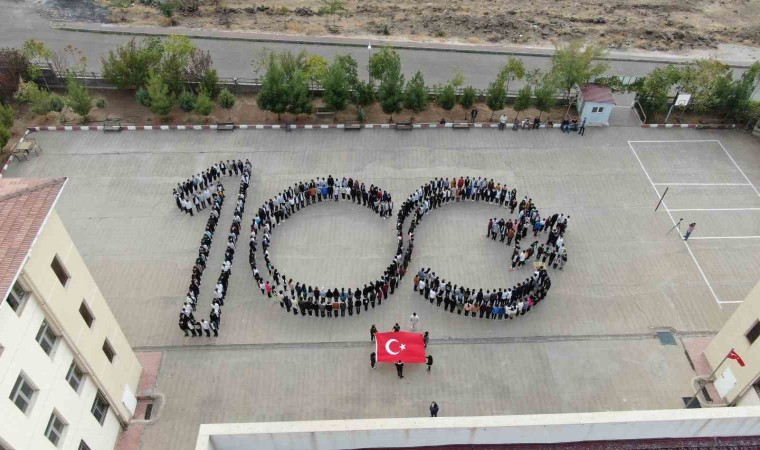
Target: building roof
<point x="24" y="205"/>
<point x="597" y="93"/>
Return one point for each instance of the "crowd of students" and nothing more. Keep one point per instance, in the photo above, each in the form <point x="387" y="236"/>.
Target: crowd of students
<point x="316" y="301"/>
<point x="200" y="183"/>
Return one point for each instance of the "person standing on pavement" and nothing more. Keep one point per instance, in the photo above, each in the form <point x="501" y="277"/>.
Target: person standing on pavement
<point x="689" y="231"/>
<point x="414" y="319"/>
<point x="429" y="362"/>
<point x="372" y="332"/>
<point x="400" y="369"/>
<point x="426" y="338"/>
<point x="372" y="360"/>
<point x="502" y="122"/>
<point x="473" y="115"/>
<point x="434" y="409"/>
<point x="396" y="327"/>
<point x="582" y="129"/>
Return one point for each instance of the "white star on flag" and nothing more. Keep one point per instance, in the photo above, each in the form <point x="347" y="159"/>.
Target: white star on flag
<point x="403" y="346"/>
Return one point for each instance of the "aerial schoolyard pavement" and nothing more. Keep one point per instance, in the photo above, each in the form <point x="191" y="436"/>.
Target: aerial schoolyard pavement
<point x="587" y="347"/>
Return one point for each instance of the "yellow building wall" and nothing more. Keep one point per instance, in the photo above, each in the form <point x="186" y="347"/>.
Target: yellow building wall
<point x="64" y="303"/>
<point x="732" y="335"/>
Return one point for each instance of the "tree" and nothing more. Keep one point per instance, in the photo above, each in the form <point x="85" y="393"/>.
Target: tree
<point x="315" y="68"/>
<point x="447" y="97"/>
<point x="37" y="53"/>
<point x="226" y="100"/>
<point x="203" y="104"/>
<point x="130" y="64"/>
<point x="496" y="96"/>
<point x="416" y="93"/>
<point x="702" y="79"/>
<point x="349" y="67"/>
<point x="574" y="65"/>
<point x="210" y="82"/>
<point x="546" y="95"/>
<point x="38" y="99"/>
<point x="161" y="100"/>
<point x="337" y="90"/>
<point x="364" y="93"/>
<point x="78" y="98"/>
<point x="273" y="95"/>
<point x="391" y="91"/>
<point x="383" y="61"/>
<point x="654" y="92"/>
<point x="201" y="73"/>
<point x="186" y="101"/>
<point x="175" y="61"/>
<point x="6" y="116"/>
<point x="468" y="98"/>
<point x="514" y="69"/>
<point x="14" y="66"/>
<point x="522" y="102"/>
<point x="299" y="99"/>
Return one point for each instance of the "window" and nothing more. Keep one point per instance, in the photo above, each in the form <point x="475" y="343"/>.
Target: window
<point x="83" y="445"/>
<point x="55" y="428"/>
<point x="75" y="376"/>
<point x="22" y="394"/>
<point x="753" y="332"/>
<point x="60" y="272"/>
<point x="86" y="314"/>
<point x="16" y="298"/>
<point x="46" y="338"/>
<point x="108" y="350"/>
<point x="99" y="408"/>
<point x="597" y="109"/>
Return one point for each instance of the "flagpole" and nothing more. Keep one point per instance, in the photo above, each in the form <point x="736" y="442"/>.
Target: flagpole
<point x="709" y="378"/>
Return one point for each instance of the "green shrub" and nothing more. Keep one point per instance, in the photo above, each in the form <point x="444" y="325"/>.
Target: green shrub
<point x="203" y="104"/>
<point x="100" y="103"/>
<point x="6" y="116"/>
<point x="5" y="136"/>
<point x="469" y="95"/>
<point x="166" y="8"/>
<point x="56" y="103"/>
<point x="143" y="97"/>
<point x="186" y="101"/>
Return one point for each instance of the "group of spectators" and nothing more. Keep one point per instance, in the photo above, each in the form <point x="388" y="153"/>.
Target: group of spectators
<point x="318" y="301"/>
<point x="199" y="183"/>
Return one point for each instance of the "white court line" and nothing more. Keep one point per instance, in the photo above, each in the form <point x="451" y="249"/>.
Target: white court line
<point x="716" y="209"/>
<point x="702" y="184"/>
<point x="730" y="302"/>
<point x="724" y="237"/>
<point x="694" y="258"/>
<point x="690" y="140"/>
<point x="740" y="169"/>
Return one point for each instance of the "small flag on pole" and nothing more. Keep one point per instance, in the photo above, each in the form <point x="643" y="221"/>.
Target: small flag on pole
<point x="735" y="356"/>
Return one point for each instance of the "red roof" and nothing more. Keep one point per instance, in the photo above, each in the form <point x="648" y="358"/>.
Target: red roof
<point x="24" y="206"/>
<point x="597" y="93"/>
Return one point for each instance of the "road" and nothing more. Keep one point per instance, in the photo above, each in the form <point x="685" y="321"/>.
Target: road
<point x="233" y="58"/>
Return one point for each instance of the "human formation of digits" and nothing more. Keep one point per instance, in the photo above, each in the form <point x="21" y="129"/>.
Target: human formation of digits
<point x="319" y="301"/>
<point x="196" y="192"/>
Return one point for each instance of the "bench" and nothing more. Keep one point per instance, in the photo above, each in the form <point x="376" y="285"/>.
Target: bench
<point x="112" y="128"/>
<point x="353" y="126"/>
<point x="404" y="126"/>
<point x="323" y="111"/>
<point x="225" y="126"/>
<point x="461" y="125"/>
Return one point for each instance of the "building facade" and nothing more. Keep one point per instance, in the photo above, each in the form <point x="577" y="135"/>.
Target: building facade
<point x="67" y="373"/>
<point x="738" y="385"/>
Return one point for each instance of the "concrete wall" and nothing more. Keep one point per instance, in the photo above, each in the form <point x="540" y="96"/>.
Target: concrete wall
<point x="732" y="335"/>
<point x="64" y="302"/>
<point x="599" y="118"/>
<point x="547" y="428"/>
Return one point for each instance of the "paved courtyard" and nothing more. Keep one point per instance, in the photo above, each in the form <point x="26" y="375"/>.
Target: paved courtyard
<point x="588" y="347"/>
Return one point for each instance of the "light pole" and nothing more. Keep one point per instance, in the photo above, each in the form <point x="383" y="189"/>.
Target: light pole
<point x="369" y="53"/>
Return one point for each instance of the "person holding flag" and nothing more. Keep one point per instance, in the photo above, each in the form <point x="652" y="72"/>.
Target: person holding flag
<point x="399" y="348"/>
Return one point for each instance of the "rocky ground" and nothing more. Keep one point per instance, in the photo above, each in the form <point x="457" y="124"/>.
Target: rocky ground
<point x="669" y="25"/>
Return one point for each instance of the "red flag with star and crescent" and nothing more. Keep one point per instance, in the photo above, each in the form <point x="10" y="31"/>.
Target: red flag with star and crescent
<point x="392" y="346"/>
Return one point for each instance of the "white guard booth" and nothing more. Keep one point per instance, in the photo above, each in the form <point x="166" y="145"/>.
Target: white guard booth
<point x="595" y="103"/>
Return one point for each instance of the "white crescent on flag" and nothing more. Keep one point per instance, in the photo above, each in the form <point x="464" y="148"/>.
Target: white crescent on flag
<point x="388" y="346"/>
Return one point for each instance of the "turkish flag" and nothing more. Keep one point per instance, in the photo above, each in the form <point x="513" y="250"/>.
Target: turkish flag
<point x="408" y="347"/>
<point x="735" y="356"/>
